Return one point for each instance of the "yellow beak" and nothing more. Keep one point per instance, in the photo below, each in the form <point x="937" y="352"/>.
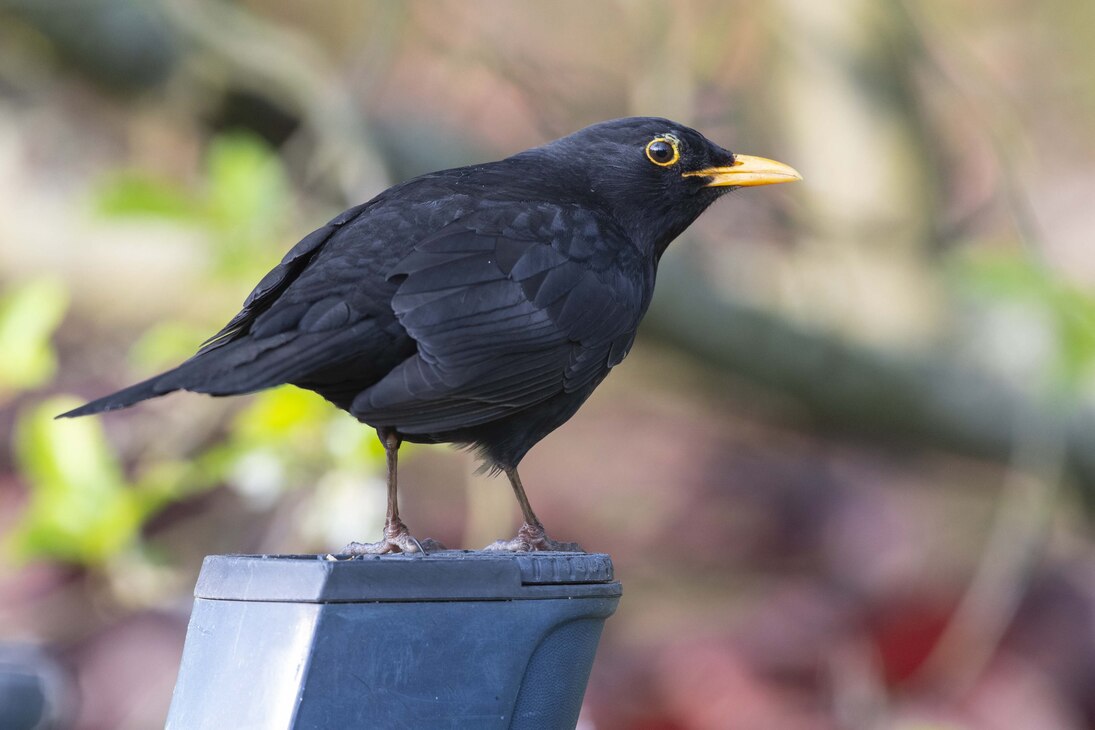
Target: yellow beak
<point x="746" y="171"/>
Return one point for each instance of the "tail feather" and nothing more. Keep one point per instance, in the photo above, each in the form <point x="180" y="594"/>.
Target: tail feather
<point x="247" y="365"/>
<point x="125" y="397"/>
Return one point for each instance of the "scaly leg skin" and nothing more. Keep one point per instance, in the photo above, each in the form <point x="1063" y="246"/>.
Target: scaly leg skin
<point x="397" y="538"/>
<point x="531" y="537"/>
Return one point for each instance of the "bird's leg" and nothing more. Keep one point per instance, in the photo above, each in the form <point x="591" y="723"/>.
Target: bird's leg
<point x="531" y="536"/>
<point x="397" y="538"/>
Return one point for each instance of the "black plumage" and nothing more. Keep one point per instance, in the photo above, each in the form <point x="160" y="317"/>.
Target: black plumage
<point x="480" y="305"/>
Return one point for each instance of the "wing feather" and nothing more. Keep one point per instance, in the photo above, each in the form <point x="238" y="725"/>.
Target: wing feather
<point x="501" y="322"/>
<point x="271" y="286"/>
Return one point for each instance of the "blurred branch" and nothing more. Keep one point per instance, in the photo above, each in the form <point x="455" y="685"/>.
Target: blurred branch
<point x="280" y="65"/>
<point x="125" y="45"/>
<point x="136" y="46"/>
<point x="866" y="391"/>
<point x="998" y="121"/>
<point x="1016" y="543"/>
<point x="1023" y="523"/>
<point x="841" y="92"/>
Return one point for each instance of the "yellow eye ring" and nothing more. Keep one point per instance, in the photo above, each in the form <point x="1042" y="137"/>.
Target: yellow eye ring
<point x="663" y="151"/>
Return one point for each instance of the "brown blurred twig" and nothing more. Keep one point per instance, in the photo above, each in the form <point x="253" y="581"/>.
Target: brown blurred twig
<point x="1030" y="492"/>
<point x="280" y="64"/>
<point x="861" y="390"/>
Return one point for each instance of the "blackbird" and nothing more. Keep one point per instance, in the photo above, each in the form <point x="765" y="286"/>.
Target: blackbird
<point x="478" y="306"/>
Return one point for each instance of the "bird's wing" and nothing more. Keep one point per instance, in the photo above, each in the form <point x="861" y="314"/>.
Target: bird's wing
<point x="506" y="317"/>
<point x="271" y="286"/>
<point x="324" y="305"/>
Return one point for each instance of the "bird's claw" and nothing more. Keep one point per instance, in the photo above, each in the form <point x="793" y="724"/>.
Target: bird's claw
<point x="532" y="538"/>
<point x="397" y="539"/>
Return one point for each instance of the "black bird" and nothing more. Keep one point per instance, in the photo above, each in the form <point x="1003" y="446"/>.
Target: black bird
<point x="478" y="306"/>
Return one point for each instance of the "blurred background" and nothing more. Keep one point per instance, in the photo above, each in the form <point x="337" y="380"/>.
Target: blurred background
<point x="847" y="474"/>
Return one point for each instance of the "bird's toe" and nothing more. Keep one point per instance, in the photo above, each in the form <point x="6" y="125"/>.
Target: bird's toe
<point x="381" y="547"/>
<point x="397" y="539"/>
<point x="533" y="538"/>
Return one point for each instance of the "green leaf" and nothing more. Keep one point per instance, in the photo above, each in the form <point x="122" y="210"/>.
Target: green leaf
<point x="29" y="314"/>
<point x="248" y="199"/>
<point x="247" y="182"/>
<point x="165" y="345"/>
<point x="304" y="430"/>
<point x="1001" y="275"/>
<point x="80" y="509"/>
<point x="283" y="417"/>
<point x="1068" y="308"/>
<point x="131" y="194"/>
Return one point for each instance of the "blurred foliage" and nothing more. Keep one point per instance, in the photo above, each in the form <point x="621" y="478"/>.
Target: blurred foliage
<point x="243" y="202"/>
<point x="1066" y="308"/>
<point x="294" y="421"/>
<point x="82" y="508"/>
<point x="29" y="314"/>
<point x="816" y="571"/>
<point x="288" y="436"/>
<point x="140" y="52"/>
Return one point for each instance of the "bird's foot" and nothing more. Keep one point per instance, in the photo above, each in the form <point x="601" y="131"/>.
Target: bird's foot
<point x="533" y="538"/>
<point x="397" y="539"/>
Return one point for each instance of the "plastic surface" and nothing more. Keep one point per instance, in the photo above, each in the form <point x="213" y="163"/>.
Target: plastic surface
<point x="448" y="640"/>
<point x="33" y="689"/>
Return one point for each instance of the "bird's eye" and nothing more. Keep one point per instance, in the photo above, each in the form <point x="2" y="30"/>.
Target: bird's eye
<point x="663" y="151"/>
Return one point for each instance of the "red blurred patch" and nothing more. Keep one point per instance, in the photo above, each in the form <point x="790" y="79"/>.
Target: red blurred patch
<point x="904" y="635"/>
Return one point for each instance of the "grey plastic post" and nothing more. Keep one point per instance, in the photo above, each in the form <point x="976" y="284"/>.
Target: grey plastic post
<point x="453" y="639"/>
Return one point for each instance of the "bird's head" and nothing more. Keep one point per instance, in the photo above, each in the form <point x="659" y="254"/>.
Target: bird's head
<point x="653" y="175"/>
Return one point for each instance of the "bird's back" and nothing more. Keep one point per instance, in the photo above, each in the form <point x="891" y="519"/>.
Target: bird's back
<point x="447" y="303"/>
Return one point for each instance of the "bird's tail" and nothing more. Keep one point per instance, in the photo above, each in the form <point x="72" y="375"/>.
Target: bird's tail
<point x="248" y="365"/>
<point x="125" y="397"/>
